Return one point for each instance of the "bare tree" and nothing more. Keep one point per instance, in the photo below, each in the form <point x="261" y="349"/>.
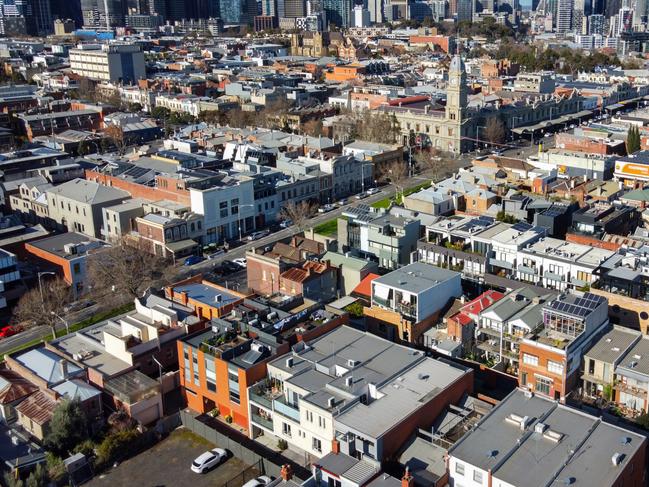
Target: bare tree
<point x="126" y="270"/>
<point x="313" y="128"/>
<point x="116" y="135"/>
<point x="431" y="161"/>
<point x="398" y="175"/>
<point x="495" y="131"/>
<point x="299" y="213"/>
<point x="34" y="309"/>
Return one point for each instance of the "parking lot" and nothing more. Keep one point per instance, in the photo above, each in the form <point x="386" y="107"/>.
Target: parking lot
<point x="167" y="465"/>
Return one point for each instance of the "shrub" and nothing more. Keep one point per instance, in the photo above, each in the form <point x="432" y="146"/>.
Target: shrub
<point x="282" y="444"/>
<point x="228" y="419"/>
<point x="117" y="446"/>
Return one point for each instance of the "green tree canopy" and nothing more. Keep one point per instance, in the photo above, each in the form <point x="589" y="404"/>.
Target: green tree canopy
<point x="68" y="427"/>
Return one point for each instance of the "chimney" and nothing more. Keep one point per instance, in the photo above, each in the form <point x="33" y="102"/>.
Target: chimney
<point x="183" y="298"/>
<point x="287" y="472"/>
<point x="335" y="446"/>
<point x="63" y="364"/>
<point x="407" y="480"/>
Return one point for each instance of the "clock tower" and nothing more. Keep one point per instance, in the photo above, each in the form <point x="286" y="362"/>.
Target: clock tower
<point x="456" y="92"/>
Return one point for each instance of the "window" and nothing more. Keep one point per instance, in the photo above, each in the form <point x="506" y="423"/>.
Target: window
<point x="77" y="268"/>
<point x="555" y="367"/>
<point x="316" y="445"/>
<point x="459" y="468"/>
<point x="234" y="397"/>
<point x="530" y="359"/>
<point x="309" y="416"/>
<point x="543" y="385"/>
<point x="322" y="423"/>
<point x="286" y="429"/>
<point x="477" y="476"/>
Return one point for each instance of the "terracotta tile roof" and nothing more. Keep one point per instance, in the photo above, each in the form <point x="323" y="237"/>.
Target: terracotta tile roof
<point x="364" y="287"/>
<point x="309" y="269"/>
<point x="462" y="318"/>
<point x="482" y="302"/>
<point x="39" y="407"/>
<point x="14" y="387"/>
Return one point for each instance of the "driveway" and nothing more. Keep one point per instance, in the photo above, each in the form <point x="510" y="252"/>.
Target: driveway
<point x="167" y="465"/>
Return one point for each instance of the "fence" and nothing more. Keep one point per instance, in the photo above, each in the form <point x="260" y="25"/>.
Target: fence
<point x="249" y="451"/>
<point x="244" y="476"/>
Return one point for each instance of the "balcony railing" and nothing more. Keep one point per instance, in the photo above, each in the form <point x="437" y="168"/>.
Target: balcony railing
<point x="260" y="400"/>
<point x="633" y="390"/>
<point x="280" y="406"/>
<point x="263" y="422"/>
<point x="382" y="302"/>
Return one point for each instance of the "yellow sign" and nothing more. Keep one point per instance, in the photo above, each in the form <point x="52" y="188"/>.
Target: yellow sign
<point x="632" y="169"/>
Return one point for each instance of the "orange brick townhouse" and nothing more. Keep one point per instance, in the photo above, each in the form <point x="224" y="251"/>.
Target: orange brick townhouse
<point x="218" y="364"/>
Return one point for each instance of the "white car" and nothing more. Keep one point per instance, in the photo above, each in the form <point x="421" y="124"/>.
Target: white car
<point x="372" y="191"/>
<point x="241" y="262"/>
<point x="326" y="208"/>
<point x="208" y="460"/>
<point x="258" y="235"/>
<point x="258" y="482"/>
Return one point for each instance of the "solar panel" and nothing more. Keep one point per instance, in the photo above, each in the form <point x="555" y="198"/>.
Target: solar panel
<point x="521" y="227"/>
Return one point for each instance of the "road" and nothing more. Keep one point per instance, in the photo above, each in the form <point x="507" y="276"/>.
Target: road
<point x="238" y="279"/>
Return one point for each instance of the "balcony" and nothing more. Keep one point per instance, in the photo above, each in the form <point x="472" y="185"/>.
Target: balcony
<point x="407" y="309"/>
<point x="282" y="407"/>
<point x="262" y="422"/>
<point x="263" y="401"/>
<point x="386" y="303"/>
<point x="633" y="390"/>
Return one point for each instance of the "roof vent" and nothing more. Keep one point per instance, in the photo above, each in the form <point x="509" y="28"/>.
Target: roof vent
<point x="540" y="428"/>
<point x="625" y="440"/>
<point x="331" y="402"/>
<point x="289" y="362"/>
<point x="553" y="436"/>
<point x="615" y="349"/>
<point x="525" y="423"/>
<point x="617" y="458"/>
<point x="349" y="380"/>
<point x="637" y="357"/>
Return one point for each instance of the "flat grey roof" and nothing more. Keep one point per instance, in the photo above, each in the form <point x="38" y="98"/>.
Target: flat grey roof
<point x="416" y="277"/>
<point x="637" y="358"/>
<point x="613" y="344"/>
<point x="528" y="457"/>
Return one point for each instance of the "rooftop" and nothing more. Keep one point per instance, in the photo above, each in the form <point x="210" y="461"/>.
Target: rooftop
<point x="416" y="277"/>
<point x="48" y="366"/>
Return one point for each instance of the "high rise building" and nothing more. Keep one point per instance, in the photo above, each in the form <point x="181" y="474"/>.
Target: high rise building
<point x="339" y="12"/>
<point x="361" y="16"/>
<point x="596" y="24"/>
<point x="103" y="14"/>
<point x="239" y="12"/>
<point x="294" y="8"/>
<point x="564" y="16"/>
<point x="375" y="8"/>
<point x="625" y="20"/>
<point x="465" y="10"/>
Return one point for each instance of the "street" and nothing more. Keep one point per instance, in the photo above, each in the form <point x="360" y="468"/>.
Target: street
<point x="237" y="280"/>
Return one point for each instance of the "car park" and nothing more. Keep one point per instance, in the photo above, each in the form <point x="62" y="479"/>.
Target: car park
<point x="209" y="460"/>
<point x="258" y="482"/>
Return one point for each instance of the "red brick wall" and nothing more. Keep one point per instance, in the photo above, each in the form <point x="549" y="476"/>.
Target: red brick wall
<point x="593" y="242"/>
<point x="255" y="275"/>
<point x="559" y="385"/>
<point x="149" y="231"/>
<point x="439" y="41"/>
<point x="425" y="416"/>
<point x="139" y="190"/>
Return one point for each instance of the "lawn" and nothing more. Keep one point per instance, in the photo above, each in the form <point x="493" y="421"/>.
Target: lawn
<point x="385" y="202"/>
<point x="96" y="318"/>
<point x="328" y="228"/>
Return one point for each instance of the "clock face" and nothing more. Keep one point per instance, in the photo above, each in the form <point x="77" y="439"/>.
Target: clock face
<point x="454" y="81"/>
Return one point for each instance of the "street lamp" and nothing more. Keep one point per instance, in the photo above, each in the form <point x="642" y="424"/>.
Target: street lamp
<point x="241" y="206"/>
<point x="65" y="322"/>
<point x="40" y="284"/>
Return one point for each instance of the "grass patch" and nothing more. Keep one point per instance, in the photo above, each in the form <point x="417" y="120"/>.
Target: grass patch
<point x="96" y="318"/>
<point x="328" y="228"/>
<point x="385" y="202"/>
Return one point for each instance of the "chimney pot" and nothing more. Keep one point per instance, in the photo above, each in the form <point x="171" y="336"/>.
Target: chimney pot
<point x="407" y="480"/>
<point x="335" y="446"/>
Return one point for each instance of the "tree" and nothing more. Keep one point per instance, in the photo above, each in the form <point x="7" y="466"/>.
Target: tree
<point x="299" y="213"/>
<point x="34" y="308"/>
<point x="633" y="140"/>
<point x="161" y="113"/>
<point x="86" y="147"/>
<point x="504" y="217"/>
<point x="68" y="427"/>
<point x="430" y="160"/>
<point x="495" y="131"/>
<point x="126" y="270"/>
<point x="398" y="174"/>
<point x="313" y="128"/>
<point x="116" y="135"/>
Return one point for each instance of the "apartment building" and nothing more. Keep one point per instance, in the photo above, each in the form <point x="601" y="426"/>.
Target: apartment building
<point x="631" y="387"/>
<point x="317" y="281"/>
<point x="529" y="440"/>
<point x="387" y="239"/>
<point x="551" y="355"/>
<point x="503" y="243"/>
<point x="501" y="326"/>
<point x="117" y="63"/>
<point x="600" y="361"/>
<point x="220" y="363"/>
<point x="365" y="392"/>
<point x="11" y="287"/>
<point x="408" y="301"/>
<point x="44" y="124"/>
<point x="557" y="264"/>
<point x="168" y="237"/>
<point x="77" y="205"/>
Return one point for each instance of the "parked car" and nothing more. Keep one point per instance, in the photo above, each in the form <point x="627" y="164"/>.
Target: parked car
<point x="325" y="208"/>
<point x="228" y="267"/>
<point x="372" y="191"/>
<point x="286" y="223"/>
<point x="194" y="259"/>
<point x="208" y="460"/>
<point x="258" y="482"/>
<point x="258" y="235"/>
<point x="342" y="202"/>
<point x="361" y="196"/>
<point x="216" y="254"/>
<point x="7" y="331"/>
<point x="241" y="262"/>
